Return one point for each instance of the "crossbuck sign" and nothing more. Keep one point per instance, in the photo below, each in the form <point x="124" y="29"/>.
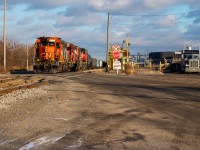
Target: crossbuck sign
<point x="116" y="51"/>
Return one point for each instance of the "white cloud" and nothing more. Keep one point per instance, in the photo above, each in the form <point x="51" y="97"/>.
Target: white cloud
<point x="84" y="22"/>
<point x="158" y="3"/>
<point x="168" y="21"/>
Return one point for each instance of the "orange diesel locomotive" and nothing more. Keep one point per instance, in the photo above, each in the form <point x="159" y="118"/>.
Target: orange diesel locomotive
<point x="54" y="55"/>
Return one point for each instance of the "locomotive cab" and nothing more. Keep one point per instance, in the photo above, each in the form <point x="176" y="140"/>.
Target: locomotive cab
<point x="48" y="54"/>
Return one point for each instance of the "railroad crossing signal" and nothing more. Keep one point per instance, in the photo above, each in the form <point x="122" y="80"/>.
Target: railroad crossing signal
<point x="116" y="47"/>
<point x="116" y="51"/>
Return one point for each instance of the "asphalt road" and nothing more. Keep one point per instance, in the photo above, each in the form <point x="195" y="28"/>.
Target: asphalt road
<point x="106" y="111"/>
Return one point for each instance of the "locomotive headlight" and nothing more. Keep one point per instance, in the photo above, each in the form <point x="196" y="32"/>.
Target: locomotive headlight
<point x="51" y="40"/>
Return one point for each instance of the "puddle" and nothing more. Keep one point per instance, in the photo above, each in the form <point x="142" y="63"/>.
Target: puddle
<point x="40" y="141"/>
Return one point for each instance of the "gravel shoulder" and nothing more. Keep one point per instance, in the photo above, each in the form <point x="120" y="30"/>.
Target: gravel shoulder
<point x="69" y="114"/>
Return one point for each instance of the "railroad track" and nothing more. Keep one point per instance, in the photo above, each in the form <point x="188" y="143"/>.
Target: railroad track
<point x="13" y="83"/>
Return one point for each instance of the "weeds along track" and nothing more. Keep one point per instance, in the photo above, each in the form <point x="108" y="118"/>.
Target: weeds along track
<point x="12" y="83"/>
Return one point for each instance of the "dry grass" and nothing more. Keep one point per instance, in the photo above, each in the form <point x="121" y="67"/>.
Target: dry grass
<point x="2" y="70"/>
<point x="129" y="69"/>
<point x="7" y="69"/>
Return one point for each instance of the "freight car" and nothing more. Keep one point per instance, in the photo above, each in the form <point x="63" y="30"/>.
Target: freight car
<point x="55" y="55"/>
<point x="92" y="63"/>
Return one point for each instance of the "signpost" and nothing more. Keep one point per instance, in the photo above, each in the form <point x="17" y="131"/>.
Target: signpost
<point x="117" y="65"/>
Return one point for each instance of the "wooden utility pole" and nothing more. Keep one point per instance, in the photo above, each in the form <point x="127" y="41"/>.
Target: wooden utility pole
<point x="108" y="41"/>
<point x="4" y="35"/>
<point x="27" y="49"/>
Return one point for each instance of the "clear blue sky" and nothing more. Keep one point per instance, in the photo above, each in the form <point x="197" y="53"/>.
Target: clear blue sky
<point x="153" y="25"/>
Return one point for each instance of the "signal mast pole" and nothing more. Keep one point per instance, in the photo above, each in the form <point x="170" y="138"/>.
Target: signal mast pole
<point x="4" y="35"/>
<point x="127" y="48"/>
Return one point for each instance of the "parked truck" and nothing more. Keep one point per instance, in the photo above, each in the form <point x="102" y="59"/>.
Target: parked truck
<point x="184" y="61"/>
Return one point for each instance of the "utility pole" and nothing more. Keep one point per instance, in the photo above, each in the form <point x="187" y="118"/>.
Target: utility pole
<point x="108" y="41"/>
<point x="4" y="35"/>
<point x="127" y="48"/>
<point x="27" y="49"/>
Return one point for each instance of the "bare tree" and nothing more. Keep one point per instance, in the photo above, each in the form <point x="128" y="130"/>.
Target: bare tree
<point x="16" y="55"/>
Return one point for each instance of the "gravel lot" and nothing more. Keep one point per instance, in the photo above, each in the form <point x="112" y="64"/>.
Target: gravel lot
<point x="103" y="111"/>
<point x="20" y="96"/>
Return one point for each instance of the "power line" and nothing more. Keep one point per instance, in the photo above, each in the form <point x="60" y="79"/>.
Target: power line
<point x="179" y="22"/>
<point x="142" y="15"/>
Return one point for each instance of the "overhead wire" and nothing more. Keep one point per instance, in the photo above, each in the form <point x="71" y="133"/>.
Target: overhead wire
<point x="180" y="22"/>
<point x="149" y="15"/>
<point x="142" y="15"/>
